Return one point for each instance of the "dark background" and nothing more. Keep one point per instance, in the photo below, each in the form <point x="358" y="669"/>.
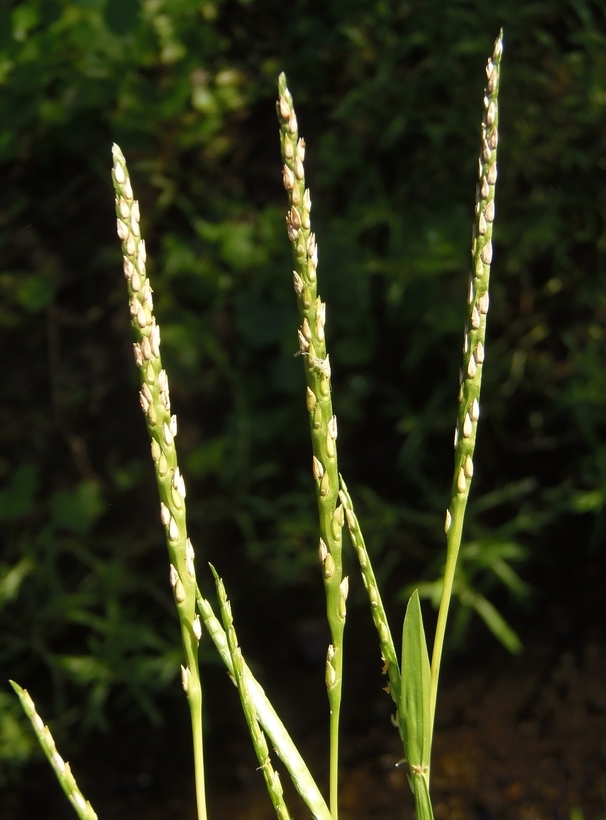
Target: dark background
<point x="389" y="99"/>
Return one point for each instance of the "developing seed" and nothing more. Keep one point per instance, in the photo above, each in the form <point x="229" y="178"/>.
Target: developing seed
<point x="295" y="218"/>
<point x="123" y="208"/>
<point x="310" y="401"/>
<point x="317" y="468"/>
<point x="168" y="436"/>
<point x="322" y="551"/>
<point x="307" y="200"/>
<point x="344" y="587"/>
<point x="332" y="427"/>
<point x="288" y="179"/>
<point x="134" y="222"/>
<point x="79" y="800"/>
<point x="173" y="530"/>
<point x="38" y="722"/>
<point x="162" y="466"/>
<point x="475" y="318"/>
<point x="479" y="270"/>
<point x="330" y="446"/>
<point x="138" y="355"/>
<point x="493" y="138"/>
<point x="173" y="425"/>
<point x="492" y="174"/>
<point x="131" y="246"/>
<point x="489" y="68"/>
<point x="155" y="338"/>
<point x="122" y="230"/>
<point x="467" y="426"/>
<point x="142" y="318"/>
<point x="146" y="350"/>
<point x="306" y="330"/>
<point x="288" y="149"/>
<point x="324" y="485"/>
<point x="164" y="514"/>
<point x="486" y="152"/>
<point x="468" y="467"/>
<point x="329" y="567"/>
<point x="475" y="410"/>
<point x="483" y="303"/>
<point x="297" y="282"/>
<point x="339" y="515"/>
<point x="485" y="190"/>
<point x="127" y="189"/>
<point x="119" y="173"/>
<point x="129" y="268"/>
<point x="58" y="762"/>
<point x="447" y="522"/>
<point x="470" y="293"/>
<point x="471" y="367"/>
<point x="461" y="482"/>
<point x="479" y="353"/>
<point x="173" y="576"/>
<point x="456" y="437"/>
<point x="156" y="451"/>
<point x="291" y="231"/>
<point x="465" y="344"/>
<point x="283" y="107"/>
<point x="295" y="198"/>
<point x="331" y="676"/>
<point x="311" y="245"/>
<point x="184" y="678"/>
<point x="196" y="628"/>
<point x="292" y="123"/>
<point x="189" y="558"/>
<point x="489" y="211"/>
<point x="299" y="172"/>
<point x="303" y="343"/>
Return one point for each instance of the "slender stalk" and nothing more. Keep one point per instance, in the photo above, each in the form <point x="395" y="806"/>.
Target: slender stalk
<point x="271" y="776"/>
<point x="266" y="714"/>
<point x="162" y="429"/>
<point x="323" y="424"/>
<point x="379" y="616"/>
<point x="473" y="353"/>
<point x="61" y="767"/>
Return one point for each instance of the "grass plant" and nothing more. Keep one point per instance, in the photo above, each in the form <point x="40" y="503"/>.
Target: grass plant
<point x="413" y="680"/>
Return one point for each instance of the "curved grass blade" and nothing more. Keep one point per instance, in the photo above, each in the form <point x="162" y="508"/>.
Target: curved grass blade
<point x="414" y="709"/>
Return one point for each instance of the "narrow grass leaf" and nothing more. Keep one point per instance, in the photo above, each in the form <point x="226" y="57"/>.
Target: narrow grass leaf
<point x="414" y="708"/>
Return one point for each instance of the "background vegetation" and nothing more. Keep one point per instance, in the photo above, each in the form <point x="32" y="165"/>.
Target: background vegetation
<point x="388" y="97"/>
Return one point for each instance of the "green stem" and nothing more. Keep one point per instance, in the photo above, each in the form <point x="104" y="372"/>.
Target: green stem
<point x="323" y="424"/>
<point x="473" y="358"/>
<point x="162" y="428"/>
<point x="267" y="716"/>
<point x="61" y="767"/>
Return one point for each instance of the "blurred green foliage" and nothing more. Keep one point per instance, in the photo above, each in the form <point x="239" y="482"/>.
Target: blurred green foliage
<point x="388" y="94"/>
